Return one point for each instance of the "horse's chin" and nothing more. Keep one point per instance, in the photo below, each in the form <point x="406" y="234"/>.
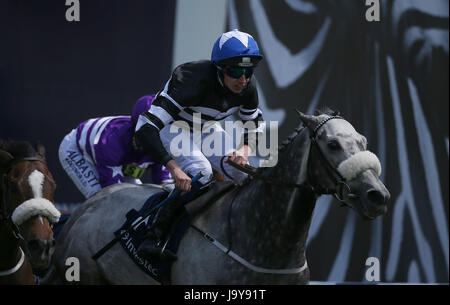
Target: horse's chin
<point x="371" y="215"/>
<point x="368" y="212"/>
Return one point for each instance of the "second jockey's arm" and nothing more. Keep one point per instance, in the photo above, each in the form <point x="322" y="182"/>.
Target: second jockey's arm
<point x="182" y="181"/>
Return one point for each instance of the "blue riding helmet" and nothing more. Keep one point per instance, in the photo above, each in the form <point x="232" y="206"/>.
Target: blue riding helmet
<point x="236" y="49"/>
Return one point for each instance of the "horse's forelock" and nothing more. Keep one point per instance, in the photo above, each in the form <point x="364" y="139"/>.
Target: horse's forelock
<point x="18" y="149"/>
<point x="326" y="110"/>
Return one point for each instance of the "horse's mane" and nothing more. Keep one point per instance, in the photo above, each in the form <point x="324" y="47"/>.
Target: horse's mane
<point x="18" y="149"/>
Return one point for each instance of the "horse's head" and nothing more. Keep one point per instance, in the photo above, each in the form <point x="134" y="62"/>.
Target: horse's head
<point x="27" y="189"/>
<point x="340" y="164"/>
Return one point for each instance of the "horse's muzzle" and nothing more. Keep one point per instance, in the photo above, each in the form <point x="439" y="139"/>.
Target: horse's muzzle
<point x="377" y="202"/>
<point x="41" y="251"/>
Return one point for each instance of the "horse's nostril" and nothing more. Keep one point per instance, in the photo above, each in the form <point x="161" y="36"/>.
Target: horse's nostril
<point x="34" y="244"/>
<point x="375" y="196"/>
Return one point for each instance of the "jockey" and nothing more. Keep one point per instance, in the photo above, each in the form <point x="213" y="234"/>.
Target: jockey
<point x="215" y="89"/>
<point x="102" y="152"/>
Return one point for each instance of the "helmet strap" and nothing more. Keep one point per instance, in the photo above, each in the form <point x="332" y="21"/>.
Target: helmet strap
<point x="220" y="77"/>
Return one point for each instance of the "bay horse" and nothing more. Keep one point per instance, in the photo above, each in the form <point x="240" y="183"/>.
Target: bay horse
<point x="26" y="211"/>
<point x="254" y="234"/>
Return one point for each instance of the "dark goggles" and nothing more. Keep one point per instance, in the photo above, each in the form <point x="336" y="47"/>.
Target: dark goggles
<point x="237" y="72"/>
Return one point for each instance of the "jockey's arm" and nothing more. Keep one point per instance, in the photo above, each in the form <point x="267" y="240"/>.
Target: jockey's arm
<point x="148" y="137"/>
<point x="241" y="155"/>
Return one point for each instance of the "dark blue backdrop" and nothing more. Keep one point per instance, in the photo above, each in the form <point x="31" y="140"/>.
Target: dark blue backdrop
<point x="54" y="74"/>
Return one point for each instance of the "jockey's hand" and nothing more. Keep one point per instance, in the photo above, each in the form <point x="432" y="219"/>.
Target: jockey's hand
<point x="240" y="156"/>
<point x="182" y="181"/>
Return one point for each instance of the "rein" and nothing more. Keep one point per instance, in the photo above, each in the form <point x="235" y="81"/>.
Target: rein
<point x="340" y="181"/>
<point x="252" y="172"/>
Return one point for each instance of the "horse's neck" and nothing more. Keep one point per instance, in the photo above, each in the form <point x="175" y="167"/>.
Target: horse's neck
<point x="274" y="218"/>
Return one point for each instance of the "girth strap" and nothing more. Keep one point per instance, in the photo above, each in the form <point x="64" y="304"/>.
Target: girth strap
<point x="244" y="262"/>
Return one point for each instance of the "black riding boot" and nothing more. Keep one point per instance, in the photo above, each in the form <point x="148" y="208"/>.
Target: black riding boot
<point x="152" y="246"/>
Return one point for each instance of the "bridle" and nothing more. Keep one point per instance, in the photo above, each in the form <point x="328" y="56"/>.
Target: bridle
<point x="6" y="218"/>
<point x="339" y="181"/>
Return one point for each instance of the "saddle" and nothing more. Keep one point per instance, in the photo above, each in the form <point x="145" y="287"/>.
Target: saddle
<point x="159" y="269"/>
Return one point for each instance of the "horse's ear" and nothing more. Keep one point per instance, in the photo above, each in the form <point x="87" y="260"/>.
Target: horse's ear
<point x="40" y="150"/>
<point x="309" y="121"/>
<point x="326" y="110"/>
<point x="5" y="157"/>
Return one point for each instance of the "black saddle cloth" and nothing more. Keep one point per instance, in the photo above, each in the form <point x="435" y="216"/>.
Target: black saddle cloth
<point x="156" y="268"/>
<point x="159" y="269"/>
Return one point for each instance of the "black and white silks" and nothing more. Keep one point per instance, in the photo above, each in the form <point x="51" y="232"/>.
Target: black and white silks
<point x="196" y="87"/>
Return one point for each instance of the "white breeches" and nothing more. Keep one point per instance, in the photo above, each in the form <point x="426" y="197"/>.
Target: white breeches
<point x="195" y="152"/>
<point x="80" y="167"/>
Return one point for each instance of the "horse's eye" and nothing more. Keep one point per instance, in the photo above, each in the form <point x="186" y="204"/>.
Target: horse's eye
<point x="333" y="145"/>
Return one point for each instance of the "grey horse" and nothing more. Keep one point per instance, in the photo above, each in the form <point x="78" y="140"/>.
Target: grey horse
<point x="256" y="233"/>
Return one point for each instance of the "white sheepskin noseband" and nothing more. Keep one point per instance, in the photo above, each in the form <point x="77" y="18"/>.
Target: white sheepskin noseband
<point x="34" y="207"/>
<point x="358" y="163"/>
<point x="37" y="205"/>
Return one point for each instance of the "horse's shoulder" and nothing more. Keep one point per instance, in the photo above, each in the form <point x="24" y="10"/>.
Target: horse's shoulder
<point x="212" y="207"/>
